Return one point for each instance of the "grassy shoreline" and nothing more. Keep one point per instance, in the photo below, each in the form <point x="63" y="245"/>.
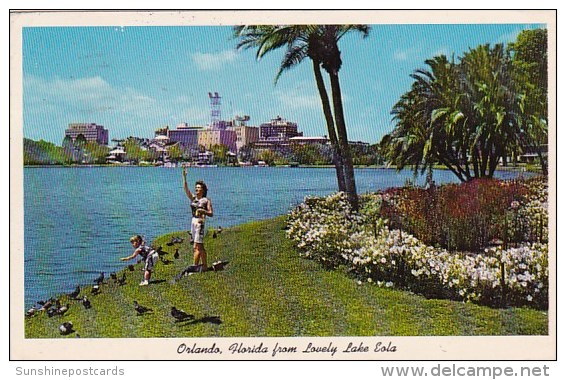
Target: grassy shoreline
<point x="267" y="290"/>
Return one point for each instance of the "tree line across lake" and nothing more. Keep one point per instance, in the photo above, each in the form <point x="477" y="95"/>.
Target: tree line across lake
<point x="47" y="153"/>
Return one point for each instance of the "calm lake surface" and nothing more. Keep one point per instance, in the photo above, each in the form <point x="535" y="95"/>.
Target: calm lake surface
<point x="77" y="221"/>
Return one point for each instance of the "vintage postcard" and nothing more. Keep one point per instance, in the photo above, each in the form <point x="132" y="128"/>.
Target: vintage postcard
<point x="283" y="185"/>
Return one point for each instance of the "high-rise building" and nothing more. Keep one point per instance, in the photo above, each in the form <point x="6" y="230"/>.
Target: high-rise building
<point x="90" y="131"/>
<point x="278" y="130"/>
<point x="245" y="135"/>
<point x="276" y="134"/>
<point x="210" y="137"/>
<point x="187" y="136"/>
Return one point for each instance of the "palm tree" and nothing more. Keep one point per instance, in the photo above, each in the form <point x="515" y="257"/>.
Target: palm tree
<point x="466" y="116"/>
<point x="332" y="62"/>
<point x="493" y="103"/>
<point x="320" y="44"/>
<point x="427" y="117"/>
<point x="530" y="61"/>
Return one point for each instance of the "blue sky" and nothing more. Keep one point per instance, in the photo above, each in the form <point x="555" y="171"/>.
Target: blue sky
<point x="134" y="80"/>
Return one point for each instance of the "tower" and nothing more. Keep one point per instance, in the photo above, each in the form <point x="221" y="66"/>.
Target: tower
<point x="215" y="104"/>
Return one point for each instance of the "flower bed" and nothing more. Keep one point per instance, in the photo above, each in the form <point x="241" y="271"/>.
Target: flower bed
<point x="513" y="211"/>
<point x="327" y="230"/>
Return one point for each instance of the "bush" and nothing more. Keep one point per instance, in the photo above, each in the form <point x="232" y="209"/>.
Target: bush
<point x="470" y="215"/>
<point x="321" y="227"/>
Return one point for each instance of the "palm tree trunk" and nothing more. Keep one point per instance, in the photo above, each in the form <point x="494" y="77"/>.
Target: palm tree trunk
<point x="336" y="153"/>
<point x="543" y="164"/>
<point x="475" y="161"/>
<point x="349" y="176"/>
<point x="453" y="169"/>
<point x="484" y="159"/>
<point x="498" y="152"/>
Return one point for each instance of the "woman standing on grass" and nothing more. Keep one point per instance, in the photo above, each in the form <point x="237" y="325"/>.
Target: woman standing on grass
<point x="201" y="207"/>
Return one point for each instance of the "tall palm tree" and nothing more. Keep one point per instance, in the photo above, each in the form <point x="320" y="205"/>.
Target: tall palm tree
<point x="466" y="116"/>
<point x="329" y="36"/>
<point x="494" y="104"/>
<point x="428" y="121"/>
<point x="530" y="62"/>
<point x="320" y="44"/>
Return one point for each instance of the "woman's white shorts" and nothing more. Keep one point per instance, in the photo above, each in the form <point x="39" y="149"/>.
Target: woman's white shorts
<point x="197" y="230"/>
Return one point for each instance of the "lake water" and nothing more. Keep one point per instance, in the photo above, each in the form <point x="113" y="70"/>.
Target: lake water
<point x="77" y="221"/>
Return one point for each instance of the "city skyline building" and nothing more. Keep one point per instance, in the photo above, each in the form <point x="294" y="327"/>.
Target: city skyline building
<point x="92" y="132"/>
<point x="210" y="137"/>
<point x="234" y="134"/>
<point x="185" y="134"/>
<point x="245" y="135"/>
<point x="278" y="130"/>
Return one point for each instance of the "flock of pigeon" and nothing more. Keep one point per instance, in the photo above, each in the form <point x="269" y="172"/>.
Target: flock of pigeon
<point x="178" y="314"/>
<point x="53" y="307"/>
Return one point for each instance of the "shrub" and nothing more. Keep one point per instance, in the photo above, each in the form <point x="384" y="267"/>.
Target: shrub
<point x="468" y="216"/>
<point x="321" y="227"/>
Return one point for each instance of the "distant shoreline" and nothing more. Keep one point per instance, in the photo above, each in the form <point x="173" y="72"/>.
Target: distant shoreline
<point x="502" y="168"/>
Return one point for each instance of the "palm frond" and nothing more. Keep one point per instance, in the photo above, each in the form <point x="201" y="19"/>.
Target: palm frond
<point x="294" y="55"/>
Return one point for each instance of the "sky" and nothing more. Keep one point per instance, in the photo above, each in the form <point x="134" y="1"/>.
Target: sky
<point x="136" y="79"/>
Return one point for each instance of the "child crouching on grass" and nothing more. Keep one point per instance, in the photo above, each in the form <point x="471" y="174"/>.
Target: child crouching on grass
<point x="150" y="257"/>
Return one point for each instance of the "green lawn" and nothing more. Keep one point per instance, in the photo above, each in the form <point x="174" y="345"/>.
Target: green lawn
<point x="268" y="290"/>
